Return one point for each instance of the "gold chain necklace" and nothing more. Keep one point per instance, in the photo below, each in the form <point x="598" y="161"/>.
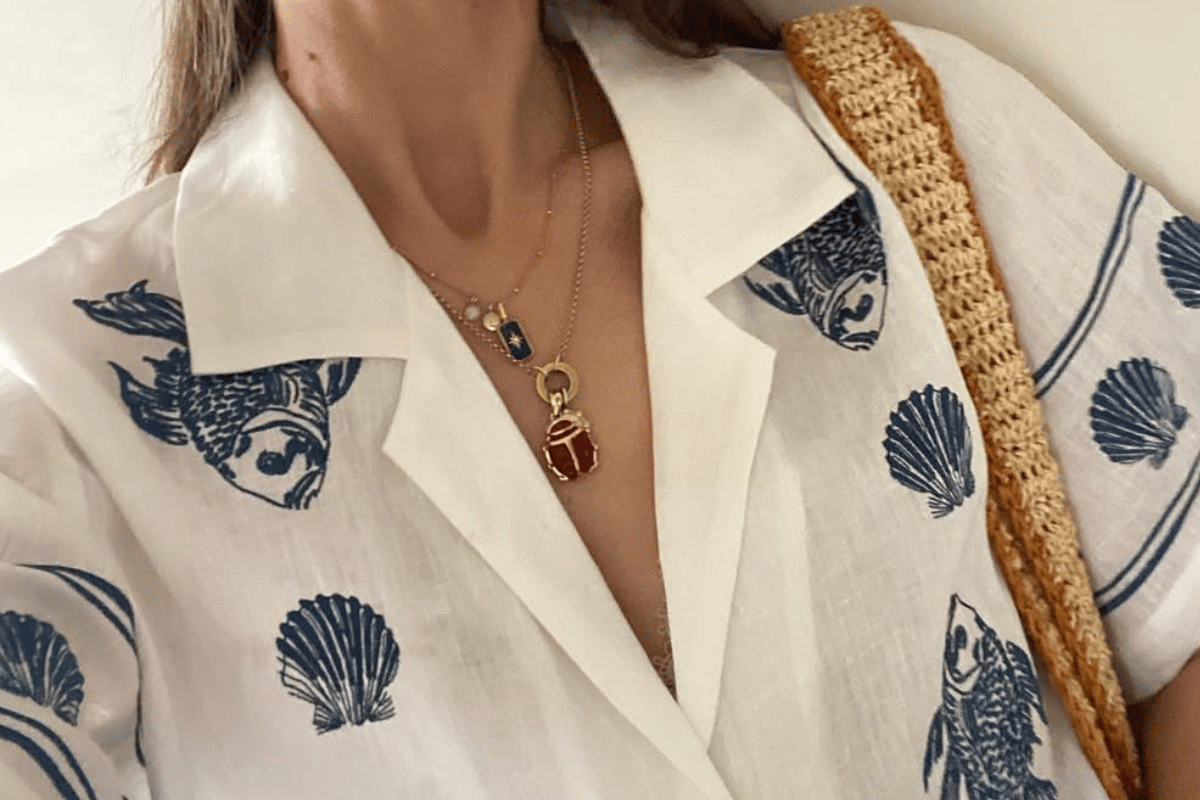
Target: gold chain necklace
<point x="569" y="449"/>
<point x="473" y="308"/>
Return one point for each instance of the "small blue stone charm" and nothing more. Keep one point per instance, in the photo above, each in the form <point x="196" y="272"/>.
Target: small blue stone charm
<point x="513" y="336"/>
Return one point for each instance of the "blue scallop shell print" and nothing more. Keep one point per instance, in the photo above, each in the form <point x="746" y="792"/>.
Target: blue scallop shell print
<point x="36" y="662"/>
<point x="266" y="432"/>
<point x="835" y="273"/>
<point x="1134" y="413"/>
<point x="1179" y="255"/>
<point x="112" y="604"/>
<point x="984" y="726"/>
<point x="337" y="654"/>
<point x="928" y="445"/>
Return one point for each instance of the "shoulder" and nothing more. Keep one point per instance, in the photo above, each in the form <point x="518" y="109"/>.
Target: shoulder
<point x="52" y="353"/>
<point x="135" y="226"/>
<point x="977" y="89"/>
<point x="771" y="68"/>
<point x="130" y="240"/>
<point x="985" y="97"/>
<point x="948" y="53"/>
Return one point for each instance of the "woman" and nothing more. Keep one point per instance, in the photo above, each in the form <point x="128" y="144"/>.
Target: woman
<point x="455" y="350"/>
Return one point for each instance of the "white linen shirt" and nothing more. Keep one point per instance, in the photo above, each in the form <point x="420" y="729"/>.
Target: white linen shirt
<point x="268" y="531"/>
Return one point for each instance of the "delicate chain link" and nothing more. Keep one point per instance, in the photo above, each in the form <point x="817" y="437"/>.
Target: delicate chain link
<point x="487" y="337"/>
<point x="587" y="210"/>
<point x="533" y="263"/>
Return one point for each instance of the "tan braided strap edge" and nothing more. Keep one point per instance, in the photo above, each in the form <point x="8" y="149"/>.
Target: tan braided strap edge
<point x="885" y="102"/>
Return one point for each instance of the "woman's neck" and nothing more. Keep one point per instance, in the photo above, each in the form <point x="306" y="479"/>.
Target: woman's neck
<point x="447" y="115"/>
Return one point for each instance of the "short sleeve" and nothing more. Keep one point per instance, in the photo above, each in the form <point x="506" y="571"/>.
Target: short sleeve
<point x="69" y="679"/>
<point x="1104" y="277"/>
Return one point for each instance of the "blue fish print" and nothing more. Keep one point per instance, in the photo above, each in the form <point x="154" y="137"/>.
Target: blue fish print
<point x="984" y="725"/>
<point x="266" y="432"/>
<point x="835" y="273"/>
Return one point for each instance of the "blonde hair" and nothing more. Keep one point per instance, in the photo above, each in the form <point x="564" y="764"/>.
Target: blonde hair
<point x="208" y="47"/>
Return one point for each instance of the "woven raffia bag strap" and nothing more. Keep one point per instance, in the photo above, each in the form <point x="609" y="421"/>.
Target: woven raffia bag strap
<point x="885" y="102"/>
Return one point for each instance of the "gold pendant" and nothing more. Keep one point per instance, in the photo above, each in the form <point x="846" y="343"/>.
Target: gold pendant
<point x="569" y="449"/>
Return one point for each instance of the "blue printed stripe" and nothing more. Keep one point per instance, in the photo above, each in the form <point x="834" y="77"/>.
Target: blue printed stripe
<point x="26" y="737"/>
<point x="1110" y="597"/>
<point x="126" y="625"/>
<point x="1110" y="263"/>
<point x="112" y="592"/>
<point x="71" y="578"/>
<point x="35" y="752"/>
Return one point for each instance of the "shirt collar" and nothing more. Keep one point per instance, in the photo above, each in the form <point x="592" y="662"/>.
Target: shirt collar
<point x="278" y="259"/>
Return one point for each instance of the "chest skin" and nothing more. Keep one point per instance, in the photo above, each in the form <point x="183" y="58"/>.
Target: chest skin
<point x="613" y="508"/>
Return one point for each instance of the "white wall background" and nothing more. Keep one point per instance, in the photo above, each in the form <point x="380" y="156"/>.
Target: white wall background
<point x="1128" y="71"/>
<point x="73" y="79"/>
<point x="75" y="73"/>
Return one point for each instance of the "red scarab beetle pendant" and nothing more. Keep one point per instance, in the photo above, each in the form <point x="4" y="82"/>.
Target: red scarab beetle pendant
<point x="569" y="449"/>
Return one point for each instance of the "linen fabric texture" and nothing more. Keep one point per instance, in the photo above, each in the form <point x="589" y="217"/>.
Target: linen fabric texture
<point x="251" y="548"/>
<point x="884" y="100"/>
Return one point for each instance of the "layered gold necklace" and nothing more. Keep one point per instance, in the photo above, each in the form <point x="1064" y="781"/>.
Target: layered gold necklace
<point x="569" y="449"/>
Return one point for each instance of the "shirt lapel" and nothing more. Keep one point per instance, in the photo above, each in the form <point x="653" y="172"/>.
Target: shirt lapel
<point x="508" y="511"/>
<point x="728" y="172"/>
<point x="709" y="382"/>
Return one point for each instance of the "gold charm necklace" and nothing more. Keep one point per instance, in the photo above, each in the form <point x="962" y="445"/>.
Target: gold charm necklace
<point x="494" y="317"/>
<point x="569" y="450"/>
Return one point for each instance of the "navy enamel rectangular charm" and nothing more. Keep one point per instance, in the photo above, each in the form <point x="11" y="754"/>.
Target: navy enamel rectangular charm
<point x="513" y="336"/>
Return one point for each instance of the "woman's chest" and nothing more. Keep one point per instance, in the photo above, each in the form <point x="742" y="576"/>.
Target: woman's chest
<point x="581" y="401"/>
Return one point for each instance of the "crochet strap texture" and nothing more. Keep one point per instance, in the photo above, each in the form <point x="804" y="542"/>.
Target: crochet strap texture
<point x="885" y="102"/>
